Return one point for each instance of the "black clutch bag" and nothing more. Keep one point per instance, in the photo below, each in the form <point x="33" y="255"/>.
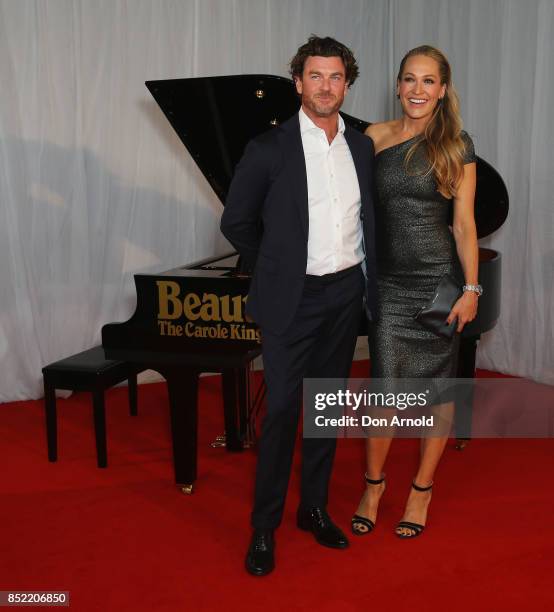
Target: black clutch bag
<point x="434" y="314"/>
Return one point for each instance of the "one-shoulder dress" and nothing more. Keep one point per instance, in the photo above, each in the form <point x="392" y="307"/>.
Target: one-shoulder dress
<point x="415" y="248"/>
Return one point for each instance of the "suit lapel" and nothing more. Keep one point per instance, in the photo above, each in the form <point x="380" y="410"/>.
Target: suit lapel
<point x="296" y="168"/>
<point x="360" y="163"/>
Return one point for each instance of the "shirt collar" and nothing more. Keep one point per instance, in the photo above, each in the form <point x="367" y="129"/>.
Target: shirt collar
<point x="306" y="124"/>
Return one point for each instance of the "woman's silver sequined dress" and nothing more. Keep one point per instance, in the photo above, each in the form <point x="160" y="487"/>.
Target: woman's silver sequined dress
<point x="415" y="247"/>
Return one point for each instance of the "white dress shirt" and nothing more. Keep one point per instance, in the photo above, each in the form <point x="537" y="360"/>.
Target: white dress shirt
<point x="335" y="229"/>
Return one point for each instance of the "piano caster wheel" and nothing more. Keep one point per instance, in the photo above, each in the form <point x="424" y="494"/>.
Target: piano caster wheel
<point x="219" y="442"/>
<point x="187" y="489"/>
<point x="461" y="444"/>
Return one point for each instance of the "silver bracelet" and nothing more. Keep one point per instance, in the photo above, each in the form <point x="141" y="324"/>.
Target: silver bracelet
<point x="475" y="288"/>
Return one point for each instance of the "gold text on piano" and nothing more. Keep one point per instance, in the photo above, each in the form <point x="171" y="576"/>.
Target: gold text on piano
<point x="178" y="316"/>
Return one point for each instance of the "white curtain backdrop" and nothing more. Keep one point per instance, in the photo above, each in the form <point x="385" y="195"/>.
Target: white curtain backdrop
<point x="95" y="185"/>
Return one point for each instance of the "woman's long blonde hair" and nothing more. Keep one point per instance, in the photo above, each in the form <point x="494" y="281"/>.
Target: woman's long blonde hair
<point x="444" y="146"/>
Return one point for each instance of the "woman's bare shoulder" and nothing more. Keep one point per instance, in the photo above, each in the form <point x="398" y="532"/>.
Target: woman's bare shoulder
<point x="379" y="132"/>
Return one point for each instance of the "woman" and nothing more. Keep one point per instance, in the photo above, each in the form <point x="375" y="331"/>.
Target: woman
<point x="425" y="165"/>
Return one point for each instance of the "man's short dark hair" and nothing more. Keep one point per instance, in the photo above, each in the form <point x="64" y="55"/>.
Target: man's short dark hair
<point x="324" y="47"/>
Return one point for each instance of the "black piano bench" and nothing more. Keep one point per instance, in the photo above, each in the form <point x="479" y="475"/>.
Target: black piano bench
<point x="86" y="371"/>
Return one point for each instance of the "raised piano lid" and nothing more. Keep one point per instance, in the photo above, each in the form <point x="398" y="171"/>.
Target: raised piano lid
<point x="215" y="117"/>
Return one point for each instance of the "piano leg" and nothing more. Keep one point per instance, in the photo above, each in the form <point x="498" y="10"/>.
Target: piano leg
<point x="182" y="386"/>
<point x="234" y="406"/>
<point x="51" y="421"/>
<point x="464" y="405"/>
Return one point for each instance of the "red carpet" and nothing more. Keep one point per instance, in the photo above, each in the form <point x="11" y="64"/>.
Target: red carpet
<point x="124" y="538"/>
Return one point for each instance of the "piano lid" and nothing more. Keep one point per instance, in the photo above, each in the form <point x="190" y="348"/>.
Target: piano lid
<point x="215" y="117"/>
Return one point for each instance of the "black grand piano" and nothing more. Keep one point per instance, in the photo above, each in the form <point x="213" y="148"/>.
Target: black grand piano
<point x="190" y="319"/>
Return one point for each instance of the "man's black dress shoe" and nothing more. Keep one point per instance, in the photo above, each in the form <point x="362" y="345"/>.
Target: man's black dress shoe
<point x="319" y="523"/>
<point x="260" y="558"/>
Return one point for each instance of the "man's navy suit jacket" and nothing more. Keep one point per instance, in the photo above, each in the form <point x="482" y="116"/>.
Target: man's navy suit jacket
<point x="266" y="220"/>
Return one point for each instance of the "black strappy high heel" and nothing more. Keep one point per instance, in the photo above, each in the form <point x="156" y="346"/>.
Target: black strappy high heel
<point x="361" y="525"/>
<point x="415" y="528"/>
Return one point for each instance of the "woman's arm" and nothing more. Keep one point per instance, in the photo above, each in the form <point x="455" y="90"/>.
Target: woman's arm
<point x="465" y="235"/>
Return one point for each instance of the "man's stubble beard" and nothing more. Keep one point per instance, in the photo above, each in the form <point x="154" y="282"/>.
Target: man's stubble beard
<point x="321" y="110"/>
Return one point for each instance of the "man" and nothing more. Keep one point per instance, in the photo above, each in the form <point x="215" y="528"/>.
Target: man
<point x="300" y="213"/>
